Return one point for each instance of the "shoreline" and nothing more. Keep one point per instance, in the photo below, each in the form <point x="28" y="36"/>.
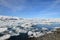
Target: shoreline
<point x="50" y="36"/>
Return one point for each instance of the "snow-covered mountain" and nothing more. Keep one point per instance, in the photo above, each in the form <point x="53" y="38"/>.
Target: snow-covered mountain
<point x="36" y="27"/>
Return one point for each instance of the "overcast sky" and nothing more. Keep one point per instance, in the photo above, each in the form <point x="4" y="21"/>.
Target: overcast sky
<point x="30" y="8"/>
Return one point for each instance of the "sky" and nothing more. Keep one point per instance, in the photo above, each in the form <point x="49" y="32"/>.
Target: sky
<point x="30" y="8"/>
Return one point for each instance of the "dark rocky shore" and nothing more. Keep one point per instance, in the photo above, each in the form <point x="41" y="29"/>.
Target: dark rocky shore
<point x="50" y="36"/>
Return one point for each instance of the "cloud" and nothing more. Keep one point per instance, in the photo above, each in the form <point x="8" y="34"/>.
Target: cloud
<point x="13" y="4"/>
<point x="52" y="9"/>
<point x="19" y="5"/>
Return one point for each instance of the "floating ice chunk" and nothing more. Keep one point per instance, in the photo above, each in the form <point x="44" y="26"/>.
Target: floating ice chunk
<point x="30" y="34"/>
<point x="38" y="34"/>
<point x="49" y="32"/>
<point x="56" y="27"/>
<point x="41" y="34"/>
<point x="5" y="37"/>
<point x="3" y="29"/>
<point x="26" y="25"/>
<point x="43" y="28"/>
<point x="35" y="34"/>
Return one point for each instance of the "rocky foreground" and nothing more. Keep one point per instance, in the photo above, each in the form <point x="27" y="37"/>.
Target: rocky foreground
<point x="55" y="35"/>
<point x="50" y="36"/>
